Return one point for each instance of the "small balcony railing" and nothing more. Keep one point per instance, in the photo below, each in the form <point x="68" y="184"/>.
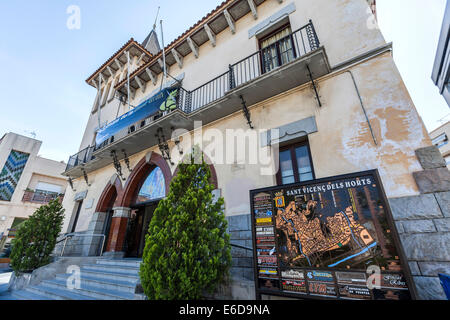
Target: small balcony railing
<point x="281" y="52"/>
<point x="287" y="49"/>
<point x="82" y="157"/>
<point x="41" y="197"/>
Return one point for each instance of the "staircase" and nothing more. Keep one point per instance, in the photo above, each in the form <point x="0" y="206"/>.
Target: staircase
<point x="102" y="280"/>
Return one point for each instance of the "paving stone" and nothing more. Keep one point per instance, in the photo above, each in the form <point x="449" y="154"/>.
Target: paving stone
<point x="433" y="180"/>
<point x="418" y="226"/>
<point x="443" y="198"/>
<point x="430" y="158"/>
<point x="399" y="226"/>
<point x="434" y="268"/>
<point x="429" y="288"/>
<point x="426" y="246"/>
<point x="442" y="225"/>
<point x="414" y="267"/>
<point x="415" y="207"/>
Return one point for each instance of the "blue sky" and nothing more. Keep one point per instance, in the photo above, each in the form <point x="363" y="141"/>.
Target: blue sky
<point x="45" y="64"/>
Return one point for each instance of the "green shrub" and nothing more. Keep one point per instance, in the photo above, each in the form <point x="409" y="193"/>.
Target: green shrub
<point x="36" y="238"/>
<point x="187" y="250"/>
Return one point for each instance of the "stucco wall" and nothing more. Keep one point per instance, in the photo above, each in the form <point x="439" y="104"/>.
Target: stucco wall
<point x="341" y="25"/>
<point x="342" y="129"/>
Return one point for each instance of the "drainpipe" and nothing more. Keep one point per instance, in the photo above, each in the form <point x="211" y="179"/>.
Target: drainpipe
<point x="362" y="106"/>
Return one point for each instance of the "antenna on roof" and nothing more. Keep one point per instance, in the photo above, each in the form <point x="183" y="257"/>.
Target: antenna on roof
<point x="156" y="19"/>
<point x="31" y="133"/>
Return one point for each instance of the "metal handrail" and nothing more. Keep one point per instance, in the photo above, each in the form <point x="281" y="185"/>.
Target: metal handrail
<point x="71" y="235"/>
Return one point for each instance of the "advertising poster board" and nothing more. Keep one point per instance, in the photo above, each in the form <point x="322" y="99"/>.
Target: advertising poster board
<point x="328" y="238"/>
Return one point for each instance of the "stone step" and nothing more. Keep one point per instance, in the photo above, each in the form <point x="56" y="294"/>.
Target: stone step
<point x="52" y="293"/>
<point x="112" y="268"/>
<point x="109" y="284"/>
<point x="124" y="262"/>
<point x="89" y="291"/>
<point x="110" y="274"/>
<point x="26" y="295"/>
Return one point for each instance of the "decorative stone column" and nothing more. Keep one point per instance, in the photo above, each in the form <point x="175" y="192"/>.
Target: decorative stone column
<point x="117" y="232"/>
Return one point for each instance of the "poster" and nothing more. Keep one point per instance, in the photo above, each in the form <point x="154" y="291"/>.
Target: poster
<point x="319" y="238"/>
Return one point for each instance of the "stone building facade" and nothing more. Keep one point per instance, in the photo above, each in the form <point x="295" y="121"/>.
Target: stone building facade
<point x="27" y="181"/>
<point x="319" y="73"/>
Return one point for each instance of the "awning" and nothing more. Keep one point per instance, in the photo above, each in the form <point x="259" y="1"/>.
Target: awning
<point x="163" y="100"/>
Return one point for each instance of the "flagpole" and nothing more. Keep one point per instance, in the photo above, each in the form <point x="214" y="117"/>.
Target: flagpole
<point x="164" y="52"/>
<point x="128" y="78"/>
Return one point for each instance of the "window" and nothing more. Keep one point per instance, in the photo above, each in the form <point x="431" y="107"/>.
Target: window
<point x="77" y="215"/>
<point x="153" y="188"/>
<point x="295" y="164"/>
<point x="440" y="140"/>
<point x="277" y="49"/>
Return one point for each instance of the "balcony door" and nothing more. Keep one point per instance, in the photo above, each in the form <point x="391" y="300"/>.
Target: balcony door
<point x="277" y="48"/>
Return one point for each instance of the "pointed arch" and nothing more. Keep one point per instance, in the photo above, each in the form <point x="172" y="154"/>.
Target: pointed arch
<point x="140" y="173"/>
<point x="110" y="195"/>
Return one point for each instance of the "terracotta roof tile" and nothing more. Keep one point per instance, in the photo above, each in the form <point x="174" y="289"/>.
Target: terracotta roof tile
<point x="155" y="58"/>
<point x="114" y="56"/>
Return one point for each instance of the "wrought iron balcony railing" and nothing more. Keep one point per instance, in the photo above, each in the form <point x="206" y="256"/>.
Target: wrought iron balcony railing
<point x="280" y="53"/>
<point x="82" y="157"/>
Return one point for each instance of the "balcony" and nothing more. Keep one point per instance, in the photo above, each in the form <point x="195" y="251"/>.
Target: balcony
<point x="290" y="62"/>
<point x="41" y="197"/>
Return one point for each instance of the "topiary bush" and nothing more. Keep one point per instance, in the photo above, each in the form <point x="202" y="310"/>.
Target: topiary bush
<point x="36" y="238"/>
<point x="187" y="250"/>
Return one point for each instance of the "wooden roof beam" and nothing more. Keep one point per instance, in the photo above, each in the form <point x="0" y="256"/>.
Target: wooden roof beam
<point x="211" y="35"/>
<point x="161" y="64"/>
<point x="193" y="46"/>
<point x="252" y="6"/>
<point x="151" y="75"/>
<point x="111" y="72"/>
<point x="118" y="63"/>
<point x="140" y="84"/>
<point x="230" y="21"/>
<point x="140" y="58"/>
<point x="178" y="57"/>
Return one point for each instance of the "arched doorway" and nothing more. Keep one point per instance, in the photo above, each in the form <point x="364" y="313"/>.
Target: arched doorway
<point x="151" y="190"/>
<point x="147" y="184"/>
<point x="105" y="206"/>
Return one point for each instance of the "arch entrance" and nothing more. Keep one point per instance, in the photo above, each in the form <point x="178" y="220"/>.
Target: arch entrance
<point x="134" y="206"/>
